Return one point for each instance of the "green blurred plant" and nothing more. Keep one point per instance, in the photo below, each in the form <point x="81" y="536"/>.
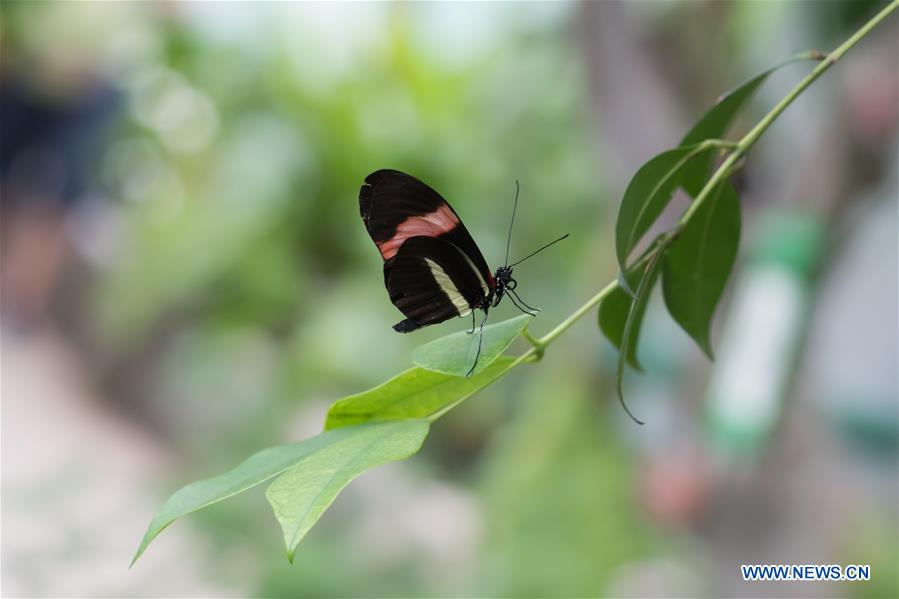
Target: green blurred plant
<point x="390" y="422"/>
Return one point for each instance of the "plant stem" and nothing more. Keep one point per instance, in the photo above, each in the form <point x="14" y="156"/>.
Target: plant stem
<point x="831" y="59"/>
<point x="538" y="346"/>
<point x="577" y="314"/>
<point x="723" y="171"/>
<point x="756" y="132"/>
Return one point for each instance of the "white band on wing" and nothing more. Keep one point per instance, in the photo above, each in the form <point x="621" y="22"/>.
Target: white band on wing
<point x="446" y="284"/>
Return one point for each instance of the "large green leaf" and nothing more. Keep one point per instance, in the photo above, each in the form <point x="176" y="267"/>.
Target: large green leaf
<point x="455" y="353"/>
<point x="646" y="197"/>
<point x="415" y="393"/>
<point x="698" y="263"/>
<point x="301" y="494"/>
<point x="254" y="470"/>
<point x="648" y="275"/>
<point x="715" y="123"/>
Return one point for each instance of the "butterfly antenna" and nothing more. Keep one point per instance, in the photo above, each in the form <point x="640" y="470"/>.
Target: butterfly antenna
<point x="540" y="250"/>
<point x="514" y="208"/>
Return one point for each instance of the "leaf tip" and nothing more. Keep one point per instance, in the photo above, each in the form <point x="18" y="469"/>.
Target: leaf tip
<point x="151" y="534"/>
<point x="137" y="554"/>
<point x="626" y="409"/>
<point x="701" y="337"/>
<point x="619" y="387"/>
<point x="633" y="362"/>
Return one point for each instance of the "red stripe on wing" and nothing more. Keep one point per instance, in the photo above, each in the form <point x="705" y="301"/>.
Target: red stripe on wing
<point x="433" y="224"/>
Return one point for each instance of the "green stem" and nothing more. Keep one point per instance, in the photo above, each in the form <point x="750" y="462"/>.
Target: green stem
<point x="539" y="347"/>
<point x="756" y="132"/>
<point x="831" y="59"/>
<point x="577" y="314"/>
<point x="722" y="172"/>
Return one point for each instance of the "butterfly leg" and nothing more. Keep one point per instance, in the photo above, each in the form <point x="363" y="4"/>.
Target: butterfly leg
<point x="512" y="291"/>
<point x="528" y="312"/>
<point x="480" y="339"/>
<point x="472" y="323"/>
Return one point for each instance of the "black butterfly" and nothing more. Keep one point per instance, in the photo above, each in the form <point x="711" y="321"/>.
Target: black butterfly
<point x="433" y="270"/>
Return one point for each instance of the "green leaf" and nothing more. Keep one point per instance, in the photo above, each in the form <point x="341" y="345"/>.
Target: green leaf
<point x="455" y="353"/>
<point x="646" y="196"/>
<point x="648" y="276"/>
<point x="301" y="495"/>
<point x="715" y="123"/>
<point x="613" y="313"/>
<point x="698" y="263"/>
<point x="415" y="393"/>
<point x="256" y="469"/>
<point x="614" y="309"/>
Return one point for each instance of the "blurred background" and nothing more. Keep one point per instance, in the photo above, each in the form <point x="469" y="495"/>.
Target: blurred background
<point x="186" y="280"/>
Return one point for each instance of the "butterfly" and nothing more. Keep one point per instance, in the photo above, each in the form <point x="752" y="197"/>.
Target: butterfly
<point x="433" y="269"/>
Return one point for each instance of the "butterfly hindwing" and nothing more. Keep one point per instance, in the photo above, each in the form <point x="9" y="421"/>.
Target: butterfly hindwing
<point x="430" y="281"/>
<point x="396" y="207"/>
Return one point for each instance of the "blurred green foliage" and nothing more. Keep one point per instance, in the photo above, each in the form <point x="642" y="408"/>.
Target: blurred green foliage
<point x="555" y="530"/>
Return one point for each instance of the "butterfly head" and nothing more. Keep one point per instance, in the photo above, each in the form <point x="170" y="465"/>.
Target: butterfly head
<point x="504" y="278"/>
<point x="504" y="281"/>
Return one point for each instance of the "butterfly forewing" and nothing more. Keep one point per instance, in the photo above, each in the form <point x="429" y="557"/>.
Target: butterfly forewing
<point x="433" y="269"/>
<point x="396" y="206"/>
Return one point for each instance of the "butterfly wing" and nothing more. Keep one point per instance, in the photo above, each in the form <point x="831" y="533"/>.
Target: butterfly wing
<point x="396" y="207"/>
<point x="430" y="281"/>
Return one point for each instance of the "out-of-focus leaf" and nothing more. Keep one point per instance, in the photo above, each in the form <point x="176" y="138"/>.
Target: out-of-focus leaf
<point x="301" y="494"/>
<point x="648" y="275"/>
<point x="455" y="353"/>
<point x="613" y="313"/>
<point x="256" y="469"/>
<point x="415" y="393"/>
<point x="698" y="263"/>
<point x="646" y="196"/>
<point x="715" y="123"/>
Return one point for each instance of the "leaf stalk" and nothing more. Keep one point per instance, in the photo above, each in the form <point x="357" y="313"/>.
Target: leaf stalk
<point x="539" y="346"/>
